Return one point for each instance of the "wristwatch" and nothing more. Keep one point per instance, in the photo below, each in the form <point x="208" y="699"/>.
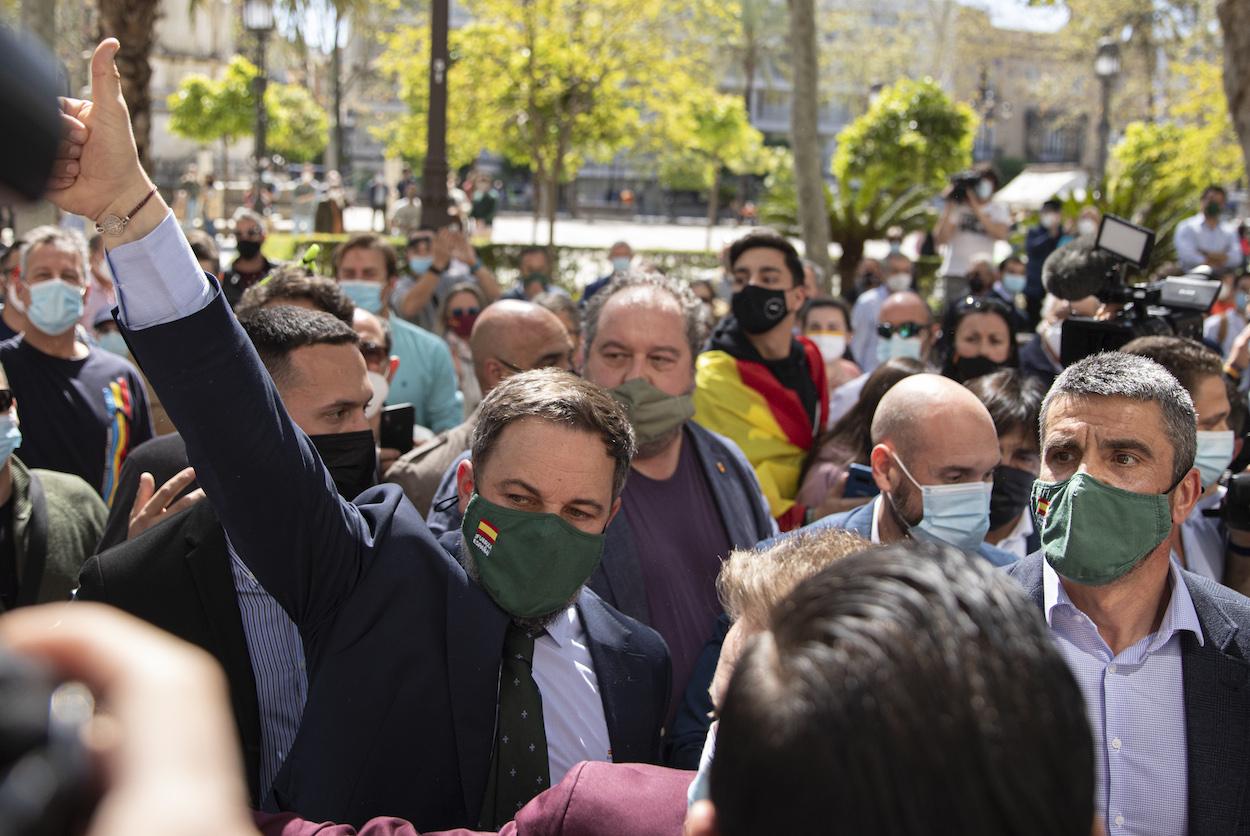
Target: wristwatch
<point x="112" y="225"/>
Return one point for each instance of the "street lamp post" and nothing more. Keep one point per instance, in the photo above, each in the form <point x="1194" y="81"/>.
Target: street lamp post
<point x="434" y="200"/>
<point x="258" y="19"/>
<point x="1107" y="68"/>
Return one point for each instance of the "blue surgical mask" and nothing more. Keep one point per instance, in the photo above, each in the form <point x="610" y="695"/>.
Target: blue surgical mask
<point x="1241" y="299"/>
<point x="896" y="346"/>
<point x="701" y="787"/>
<point x="364" y="294"/>
<point x="1014" y="283"/>
<point x="10" y="437"/>
<point x="957" y="515"/>
<point x="419" y="265"/>
<point x="984" y="189"/>
<point x="620" y="264"/>
<point x="55" y="305"/>
<point x="114" y="343"/>
<point x="1215" y="453"/>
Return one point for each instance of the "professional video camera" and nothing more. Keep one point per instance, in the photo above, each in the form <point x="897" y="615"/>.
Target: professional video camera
<point x="962" y="183"/>
<point x="1097" y="266"/>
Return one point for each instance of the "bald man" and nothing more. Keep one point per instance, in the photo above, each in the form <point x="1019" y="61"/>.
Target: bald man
<point x="904" y="328"/>
<point x="933" y="457"/>
<point x="509" y="337"/>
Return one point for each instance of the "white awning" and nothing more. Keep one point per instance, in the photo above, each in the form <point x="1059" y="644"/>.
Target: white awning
<point x="1032" y="187"/>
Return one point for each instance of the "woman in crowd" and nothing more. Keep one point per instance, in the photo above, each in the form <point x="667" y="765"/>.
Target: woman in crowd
<point x="1014" y="403"/>
<point x="850" y="441"/>
<point x="460" y="310"/>
<point x="827" y="323"/>
<point x="978" y="340"/>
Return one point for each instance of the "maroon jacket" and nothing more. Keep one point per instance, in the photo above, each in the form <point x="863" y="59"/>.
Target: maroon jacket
<point x="594" y="799"/>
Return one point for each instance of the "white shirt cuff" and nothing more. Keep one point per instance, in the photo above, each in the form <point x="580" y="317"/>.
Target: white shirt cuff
<point x="158" y="279"/>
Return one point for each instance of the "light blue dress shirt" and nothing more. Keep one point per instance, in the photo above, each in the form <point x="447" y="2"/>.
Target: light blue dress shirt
<point x="1136" y="705"/>
<point x="1193" y="237"/>
<point x="426" y="377"/>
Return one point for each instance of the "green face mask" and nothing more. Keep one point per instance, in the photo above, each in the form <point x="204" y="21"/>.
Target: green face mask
<point x="530" y="564"/>
<point x="653" y="414"/>
<point x="536" y="278"/>
<point x="1093" y="533"/>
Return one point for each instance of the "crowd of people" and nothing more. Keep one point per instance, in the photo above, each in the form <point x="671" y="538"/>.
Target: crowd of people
<point x="400" y="550"/>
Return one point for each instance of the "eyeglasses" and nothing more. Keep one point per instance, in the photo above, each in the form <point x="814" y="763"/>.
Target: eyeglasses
<point x="459" y="312"/>
<point x="372" y="352"/>
<point x="6" y="400"/>
<point x="905" y="330"/>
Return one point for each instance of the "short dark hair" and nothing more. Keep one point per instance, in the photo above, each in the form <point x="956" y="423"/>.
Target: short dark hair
<point x="203" y="245"/>
<point x="1011" y="259"/>
<point x="830" y="716"/>
<point x="1053" y="204"/>
<point x="292" y="282"/>
<point x="368" y="241"/>
<point x="693" y="311"/>
<point x="1214" y="188"/>
<point x="277" y="331"/>
<point x="825" y="302"/>
<point x="533" y="250"/>
<point x="558" y="397"/>
<point x="1013" y="400"/>
<point x="1187" y="360"/>
<point x="769" y="239"/>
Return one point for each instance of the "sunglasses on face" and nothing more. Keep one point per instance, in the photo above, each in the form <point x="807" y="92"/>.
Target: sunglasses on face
<point x="905" y="330"/>
<point x="461" y="312"/>
<point x="372" y="352"/>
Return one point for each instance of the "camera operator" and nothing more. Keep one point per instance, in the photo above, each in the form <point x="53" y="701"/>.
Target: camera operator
<point x="969" y="226"/>
<point x="1199" y="542"/>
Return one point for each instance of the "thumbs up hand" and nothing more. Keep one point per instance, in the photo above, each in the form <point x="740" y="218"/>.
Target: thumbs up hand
<point x="97" y="170"/>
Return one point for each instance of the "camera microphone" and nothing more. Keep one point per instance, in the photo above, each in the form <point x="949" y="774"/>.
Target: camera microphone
<point x="1079" y="269"/>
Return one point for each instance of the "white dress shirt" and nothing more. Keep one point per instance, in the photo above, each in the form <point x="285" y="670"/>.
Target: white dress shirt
<point x="572" y="707"/>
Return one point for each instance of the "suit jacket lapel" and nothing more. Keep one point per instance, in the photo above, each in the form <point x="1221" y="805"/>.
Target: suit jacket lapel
<point x="727" y="491"/>
<point x="1217" y="721"/>
<point x="475" y="632"/>
<point x="208" y="561"/>
<point x="619" y="576"/>
<point x="622" y="691"/>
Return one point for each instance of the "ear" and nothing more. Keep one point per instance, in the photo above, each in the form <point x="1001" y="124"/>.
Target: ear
<point x="465" y="484"/>
<point x="616" y="506"/>
<point x="1185" y="496"/>
<point x="701" y="820"/>
<point x="882" y="464"/>
<point x="391" y="368"/>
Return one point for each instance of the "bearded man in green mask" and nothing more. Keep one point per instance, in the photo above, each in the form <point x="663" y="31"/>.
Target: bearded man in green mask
<point x="1159" y="652"/>
<point x="692" y="496"/>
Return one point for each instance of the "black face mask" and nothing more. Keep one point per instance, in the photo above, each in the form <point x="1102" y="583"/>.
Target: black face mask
<point x="351" y="458"/>
<point x="759" y="309"/>
<point x="963" y="369"/>
<point x="1012" y="488"/>
<point x="249" y="249"/>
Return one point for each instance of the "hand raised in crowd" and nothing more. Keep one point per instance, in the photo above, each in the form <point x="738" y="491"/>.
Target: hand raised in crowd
<point x="170" y="763"/>
<point x="442" y="249"/>
<point x="152" y="506"/>
<point x="97" y="170"/>
<point x="462" y="250"/>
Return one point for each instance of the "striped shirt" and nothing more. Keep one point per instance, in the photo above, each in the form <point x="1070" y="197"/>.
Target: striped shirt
<point x="277" y="653"/>
<point x="1136" y="705"/>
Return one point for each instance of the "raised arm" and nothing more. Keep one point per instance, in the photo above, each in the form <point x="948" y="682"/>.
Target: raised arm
<point x="270" y="490"/>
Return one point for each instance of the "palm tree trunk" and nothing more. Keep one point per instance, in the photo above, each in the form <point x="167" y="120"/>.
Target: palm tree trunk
<point x="805" y="136"/>
<point x="133" y="22"/>
<point x="713" y="204"/>
<point x="1235" y="22"/>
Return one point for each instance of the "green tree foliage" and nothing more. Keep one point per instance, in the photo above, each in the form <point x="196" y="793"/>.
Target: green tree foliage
<point x="703" y="137"/>
<point x="205" y="110"/>
<point x="550" y="84"/>
<point x="913" y="135"/>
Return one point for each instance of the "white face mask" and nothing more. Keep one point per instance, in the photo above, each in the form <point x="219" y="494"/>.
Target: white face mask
<point x="984" y="189"/>
<point x="1050" y="220"/>
<point x="832" y="344"/>
<point x="1085" y="226"/>
<point x="896" y="346"/>
<point x="1053" y="338"/>
<point x="898" y="282"/>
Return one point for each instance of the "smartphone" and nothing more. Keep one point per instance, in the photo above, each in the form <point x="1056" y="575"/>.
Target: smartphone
<point x="397" y="424"/>
<point x="859" y="482"/>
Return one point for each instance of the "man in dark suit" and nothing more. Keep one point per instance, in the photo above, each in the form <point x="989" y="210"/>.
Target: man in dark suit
<point x="1159" y="652"/>
<point x="406" y="649"/>
<point x="181" y="575"/>
<point x="934" y="455"/>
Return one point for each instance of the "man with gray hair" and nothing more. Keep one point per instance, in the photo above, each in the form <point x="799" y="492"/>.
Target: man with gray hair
<point x="1159" y="652"/>
<point x="83" y="409"/>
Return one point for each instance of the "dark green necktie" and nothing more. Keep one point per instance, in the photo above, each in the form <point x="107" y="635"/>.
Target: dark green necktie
<point x="519" y="769"/>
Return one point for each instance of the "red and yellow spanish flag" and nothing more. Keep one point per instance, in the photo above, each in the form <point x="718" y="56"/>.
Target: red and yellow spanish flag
<point x="742" y="400"/>
<point x="488" y="531"/>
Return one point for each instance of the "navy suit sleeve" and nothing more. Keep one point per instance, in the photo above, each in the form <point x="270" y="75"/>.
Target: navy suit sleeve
<point x="273" y="495"/>
<point x="694" y="716"/>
